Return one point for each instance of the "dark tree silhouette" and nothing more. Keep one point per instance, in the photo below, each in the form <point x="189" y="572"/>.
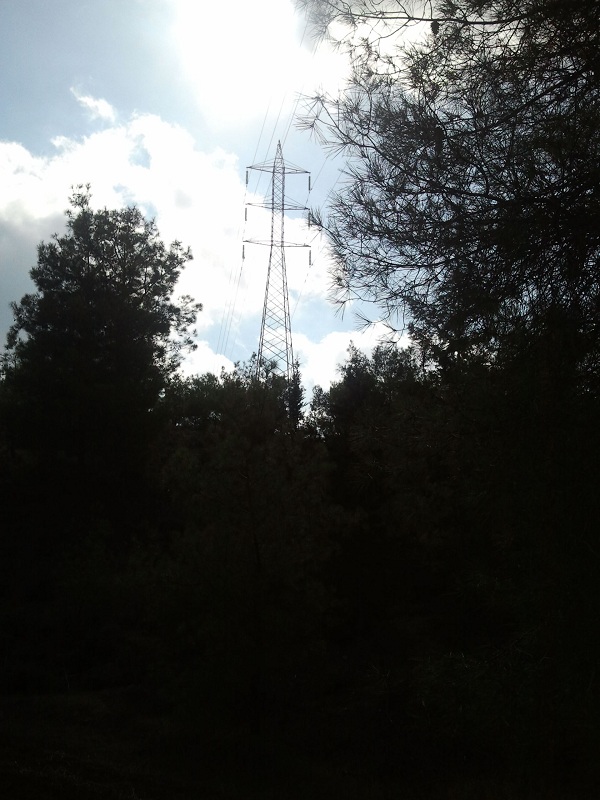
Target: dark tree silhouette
<point x="471" y="208"/>
<point x="90" y="350"/>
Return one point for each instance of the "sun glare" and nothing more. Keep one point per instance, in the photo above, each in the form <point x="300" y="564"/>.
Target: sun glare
<point x="241" y="58"/>
<point x="237" y="55"/>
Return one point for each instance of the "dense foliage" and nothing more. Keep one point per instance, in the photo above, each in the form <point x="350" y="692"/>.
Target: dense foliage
<point x="94" y="345"/>
<point x="397" y="589"/>
<point x="390" y="590"/>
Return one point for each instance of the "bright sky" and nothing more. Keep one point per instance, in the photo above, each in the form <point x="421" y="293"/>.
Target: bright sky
<point x="164" y="103"/>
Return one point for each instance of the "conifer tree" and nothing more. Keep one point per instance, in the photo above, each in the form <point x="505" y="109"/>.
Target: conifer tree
<point x="90" y="350"/>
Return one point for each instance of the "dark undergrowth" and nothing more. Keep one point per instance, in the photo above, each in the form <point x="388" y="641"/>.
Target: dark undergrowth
<point x="110" y="744"/>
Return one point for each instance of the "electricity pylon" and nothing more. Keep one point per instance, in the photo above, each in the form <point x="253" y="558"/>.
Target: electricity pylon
<point x="275" y="343"/>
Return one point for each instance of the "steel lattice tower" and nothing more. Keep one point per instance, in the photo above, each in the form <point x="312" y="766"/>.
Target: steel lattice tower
<point x="275" y="344"/>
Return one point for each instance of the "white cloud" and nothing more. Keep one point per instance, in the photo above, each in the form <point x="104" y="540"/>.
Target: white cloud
<point x="319" y="360"/>
<point x="96" y="107"/>
<point x="203" y="359"/>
